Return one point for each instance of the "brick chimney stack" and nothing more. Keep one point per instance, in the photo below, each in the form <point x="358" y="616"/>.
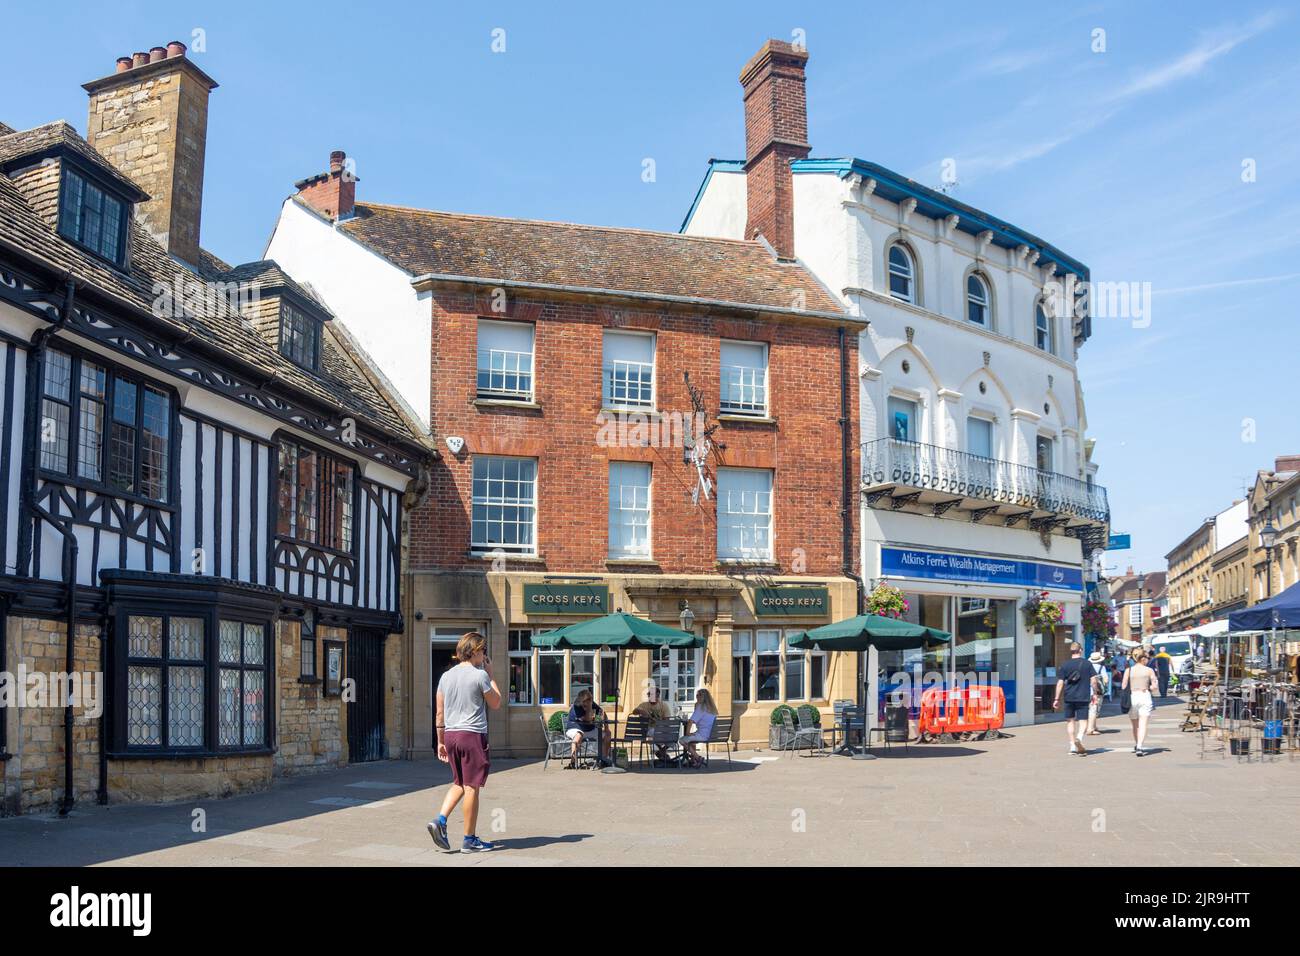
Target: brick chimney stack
<point x="776" y="132"/>
<point x="1286" y="463"/>
<point x="332" y="194"/>
<point x="149" y="118"/>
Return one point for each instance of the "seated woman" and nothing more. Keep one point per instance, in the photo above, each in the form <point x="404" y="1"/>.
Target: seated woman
<point x="583" y="719"/>
<point x="700" y="727"/>
<point x="654" y="710"/>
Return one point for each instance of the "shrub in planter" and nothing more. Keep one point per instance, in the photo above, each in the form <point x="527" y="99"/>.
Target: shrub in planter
<point x="810" y="713"/>
<point x="555" y="723"/>
<point x="777" y="719"/>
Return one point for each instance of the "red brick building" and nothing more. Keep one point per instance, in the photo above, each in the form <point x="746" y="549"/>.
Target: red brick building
<point x="559" y="358"/>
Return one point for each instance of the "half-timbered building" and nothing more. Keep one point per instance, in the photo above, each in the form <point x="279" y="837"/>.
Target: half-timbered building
<point x="203" y="478"/>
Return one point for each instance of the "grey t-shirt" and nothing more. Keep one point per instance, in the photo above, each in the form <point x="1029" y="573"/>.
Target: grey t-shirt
<point x="462" y="689"/>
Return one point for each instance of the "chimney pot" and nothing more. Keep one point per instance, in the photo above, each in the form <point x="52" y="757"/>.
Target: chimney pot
<point x="157" y="53"/>
<point x="175" y="48"/>
<point x="123" y="64"/>
<point x="336" y="160"/>
<point x="139" y="59"/>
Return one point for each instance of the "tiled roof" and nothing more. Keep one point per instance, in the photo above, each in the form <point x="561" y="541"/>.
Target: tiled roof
<point x="1125" y="588"/>
<point x="599" y="258"/>
<point x="268" y="274"/>
<point x="60" y="133"/>
<point x="339" y="385"/>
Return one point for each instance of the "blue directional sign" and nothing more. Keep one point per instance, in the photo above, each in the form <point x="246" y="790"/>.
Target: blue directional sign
<point x="1120" y="542"/>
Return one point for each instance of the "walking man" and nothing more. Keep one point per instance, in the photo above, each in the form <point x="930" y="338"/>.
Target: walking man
<point x="1078" y="686"/>
<point x="464" y="694"/>
<point x="1163" y="664"/>
<point x="1098" y="662"/>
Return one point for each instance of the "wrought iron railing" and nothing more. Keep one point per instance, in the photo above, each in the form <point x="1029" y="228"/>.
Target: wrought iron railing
<point x="929" y="467"/>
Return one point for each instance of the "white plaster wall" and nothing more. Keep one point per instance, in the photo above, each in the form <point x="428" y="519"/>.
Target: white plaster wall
<point x="721" y="211"/>
<point x="368" y="294"/>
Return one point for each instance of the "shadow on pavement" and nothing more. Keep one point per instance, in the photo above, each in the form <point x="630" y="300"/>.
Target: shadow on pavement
<point x="531" y="843"/>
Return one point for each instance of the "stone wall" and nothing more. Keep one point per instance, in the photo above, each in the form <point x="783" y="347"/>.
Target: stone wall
<point x="310" y="726"/>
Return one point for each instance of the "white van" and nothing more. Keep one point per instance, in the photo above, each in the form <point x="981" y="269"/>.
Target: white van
<point x="1179" y="647"/>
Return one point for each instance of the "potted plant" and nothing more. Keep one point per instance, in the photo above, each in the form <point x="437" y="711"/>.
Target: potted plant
<point x="1098" y="621"/>
<point x="887" y="601"/>
<point x="555" y="723"/>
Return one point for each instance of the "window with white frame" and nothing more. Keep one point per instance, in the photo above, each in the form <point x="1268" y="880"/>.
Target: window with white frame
<point x="520" y="654"/>
<point x="628" y="369"/>
<point x="744" y="378"/>
<point x="978" y="300"/>
<point x="904" y="422"/>
<point x="767" y="665"/>
<point x="505" y="360"/>
<point x="1135" y="614"/>
<point x="629" y="509"/>
<point x="745" y="514"/>
<point x="742" y="665"/>
<point x="979" y="436"/>
<point x="1046" y="454"/>
<point x="1044" y="330"/>
<point x="816" y="675"/>
<point x="504" y="506"/>
<point x="902" y="273"/>
<point x="676" y="672"/>
<point x="796" y="665"/>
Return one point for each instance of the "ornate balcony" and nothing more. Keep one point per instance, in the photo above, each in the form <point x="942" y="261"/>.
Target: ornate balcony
<point x="926" y="478"/>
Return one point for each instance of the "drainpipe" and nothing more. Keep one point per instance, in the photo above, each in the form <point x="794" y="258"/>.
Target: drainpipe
<point x="70" y="550"/>
<point x="846" y="472"/>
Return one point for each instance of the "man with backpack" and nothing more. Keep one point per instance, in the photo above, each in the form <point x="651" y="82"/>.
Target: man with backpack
<point x="1077" y="685"/>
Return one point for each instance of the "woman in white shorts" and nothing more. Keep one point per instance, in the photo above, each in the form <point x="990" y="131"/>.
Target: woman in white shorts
<point x="1139" y="681"/>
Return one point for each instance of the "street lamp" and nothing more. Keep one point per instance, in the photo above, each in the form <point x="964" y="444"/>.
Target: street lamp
<point x="687" y="618"/>
<point x="1142" y="624"/>
<point x="1268" y="538"/>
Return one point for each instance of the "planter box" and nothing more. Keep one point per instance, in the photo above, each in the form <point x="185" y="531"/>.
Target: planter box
<point x="778" y="738"/>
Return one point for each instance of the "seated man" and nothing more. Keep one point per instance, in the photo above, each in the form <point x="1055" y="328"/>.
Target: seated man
<point x="583" y="719"/>
<point x="654" y="710"/>
<point x="700" y="727"/>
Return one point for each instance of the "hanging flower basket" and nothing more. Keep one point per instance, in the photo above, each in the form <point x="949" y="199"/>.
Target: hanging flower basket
<point x="1042" y="613"/>
<point x="1098" y="621"/>
<point x="887" y="601"/>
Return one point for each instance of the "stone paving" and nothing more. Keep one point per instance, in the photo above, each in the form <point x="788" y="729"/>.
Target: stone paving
<point x="1020" y="800"/>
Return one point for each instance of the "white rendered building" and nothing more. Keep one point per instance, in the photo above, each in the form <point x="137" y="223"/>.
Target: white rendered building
<point x="977" y="481"/>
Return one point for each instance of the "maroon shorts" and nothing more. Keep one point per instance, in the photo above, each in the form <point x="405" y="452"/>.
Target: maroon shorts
<point x="467" y="752"/>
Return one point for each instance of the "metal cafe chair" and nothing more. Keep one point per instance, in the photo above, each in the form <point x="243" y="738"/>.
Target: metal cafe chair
<point x="721" y="735"/>
<point x="797" y="735"/>
<point x="852" y="720"/>
<point x="665" y="736"/>
<point x="635" y="733"/>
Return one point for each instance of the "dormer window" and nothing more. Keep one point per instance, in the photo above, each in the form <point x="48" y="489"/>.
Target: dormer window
<point x="91" y="217"/>
<point x="299" y="337"/>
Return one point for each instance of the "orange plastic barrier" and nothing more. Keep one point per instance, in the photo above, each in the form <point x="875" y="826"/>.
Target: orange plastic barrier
<point x="972" y="709"/>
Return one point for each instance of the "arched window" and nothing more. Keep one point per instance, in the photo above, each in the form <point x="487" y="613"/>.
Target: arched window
<point x="902" y="274"/>
<point x="1044" y="330"/>
<point x="977" y="300"/>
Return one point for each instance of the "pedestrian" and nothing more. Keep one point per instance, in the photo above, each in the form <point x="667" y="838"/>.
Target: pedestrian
<point x="1163" y="667"/>
<point x="465" y="691"/>
<point x="1138" y="682"/>
<point x="1077" y="684"/>
<point x="1098" y="662"/>
<point x="1200" y="650"/>
<point x="584" y="720"/>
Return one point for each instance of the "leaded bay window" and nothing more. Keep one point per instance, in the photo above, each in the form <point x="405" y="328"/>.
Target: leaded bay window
<point x="241" y="701"/>
<point x="504" y="506"/>
<point x="165" y="679"/>
<point x="122" y="427"/>
<point x="91" y="217"/>
<point x="315" y="496"/>
<point x="744" y="514"/>
<point x="744" y="378"/>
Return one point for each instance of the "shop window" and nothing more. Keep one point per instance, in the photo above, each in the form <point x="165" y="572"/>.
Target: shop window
<point x="505" y="360"/>
<point x="609" y="689"/>
<point x="628" y="368"/>
<point x="582" y="674"/>
<point x="795" y="666"/>
<point x="520" y="655"/>
<point x="742" y="665"/>
<point x="767" y="667"/>
<point x="550" y="676"/>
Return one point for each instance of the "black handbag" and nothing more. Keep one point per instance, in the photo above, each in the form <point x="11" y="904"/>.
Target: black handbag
<point x="1125" y="700"/>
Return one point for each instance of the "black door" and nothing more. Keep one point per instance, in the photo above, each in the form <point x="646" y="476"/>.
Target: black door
<point x="366" y="712"/>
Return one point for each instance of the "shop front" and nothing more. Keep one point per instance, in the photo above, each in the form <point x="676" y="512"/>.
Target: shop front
<point x="979" y="597"/>
<point x="745" y="664"/>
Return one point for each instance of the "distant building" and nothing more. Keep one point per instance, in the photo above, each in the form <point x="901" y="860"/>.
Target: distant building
<point x="1274" y="500"/>
<point x="1139" y="601"/>
<point x="1206" y="570"/>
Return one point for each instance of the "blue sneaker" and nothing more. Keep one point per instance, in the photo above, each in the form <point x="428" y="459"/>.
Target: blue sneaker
<point x="473" y="844"/>
<point x="438" y="830"/>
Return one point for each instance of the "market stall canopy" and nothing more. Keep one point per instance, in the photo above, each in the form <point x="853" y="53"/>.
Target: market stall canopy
<point x="1282" y="610"/>
<point x="617" y="630"/>
<point x="866" y="631"/>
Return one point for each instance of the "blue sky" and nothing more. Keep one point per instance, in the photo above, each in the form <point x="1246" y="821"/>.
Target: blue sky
<point x="1130" y="159"/>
